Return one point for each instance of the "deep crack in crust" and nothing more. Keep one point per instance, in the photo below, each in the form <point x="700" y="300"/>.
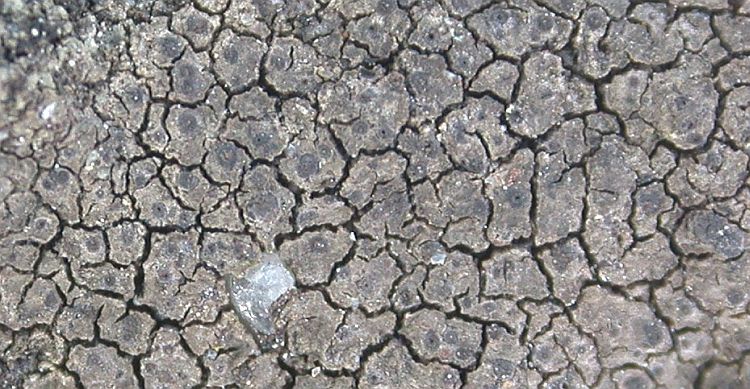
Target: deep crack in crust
<point x="470" y="194"/>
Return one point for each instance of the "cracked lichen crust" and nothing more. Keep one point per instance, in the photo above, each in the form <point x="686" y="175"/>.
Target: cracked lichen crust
<point x="472" y="194"/>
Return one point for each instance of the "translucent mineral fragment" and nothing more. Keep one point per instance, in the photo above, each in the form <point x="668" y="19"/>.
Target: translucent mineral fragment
<point x="254" y="293"/>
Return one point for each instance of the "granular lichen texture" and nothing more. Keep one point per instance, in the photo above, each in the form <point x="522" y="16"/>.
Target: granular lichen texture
<point x="375" y="194"/>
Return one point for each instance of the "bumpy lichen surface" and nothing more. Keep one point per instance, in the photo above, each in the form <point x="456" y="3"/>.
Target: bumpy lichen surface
<point x="374" y="193"/>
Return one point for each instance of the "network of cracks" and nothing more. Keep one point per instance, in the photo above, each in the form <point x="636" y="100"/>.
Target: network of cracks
<point x="375" y="194"/>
